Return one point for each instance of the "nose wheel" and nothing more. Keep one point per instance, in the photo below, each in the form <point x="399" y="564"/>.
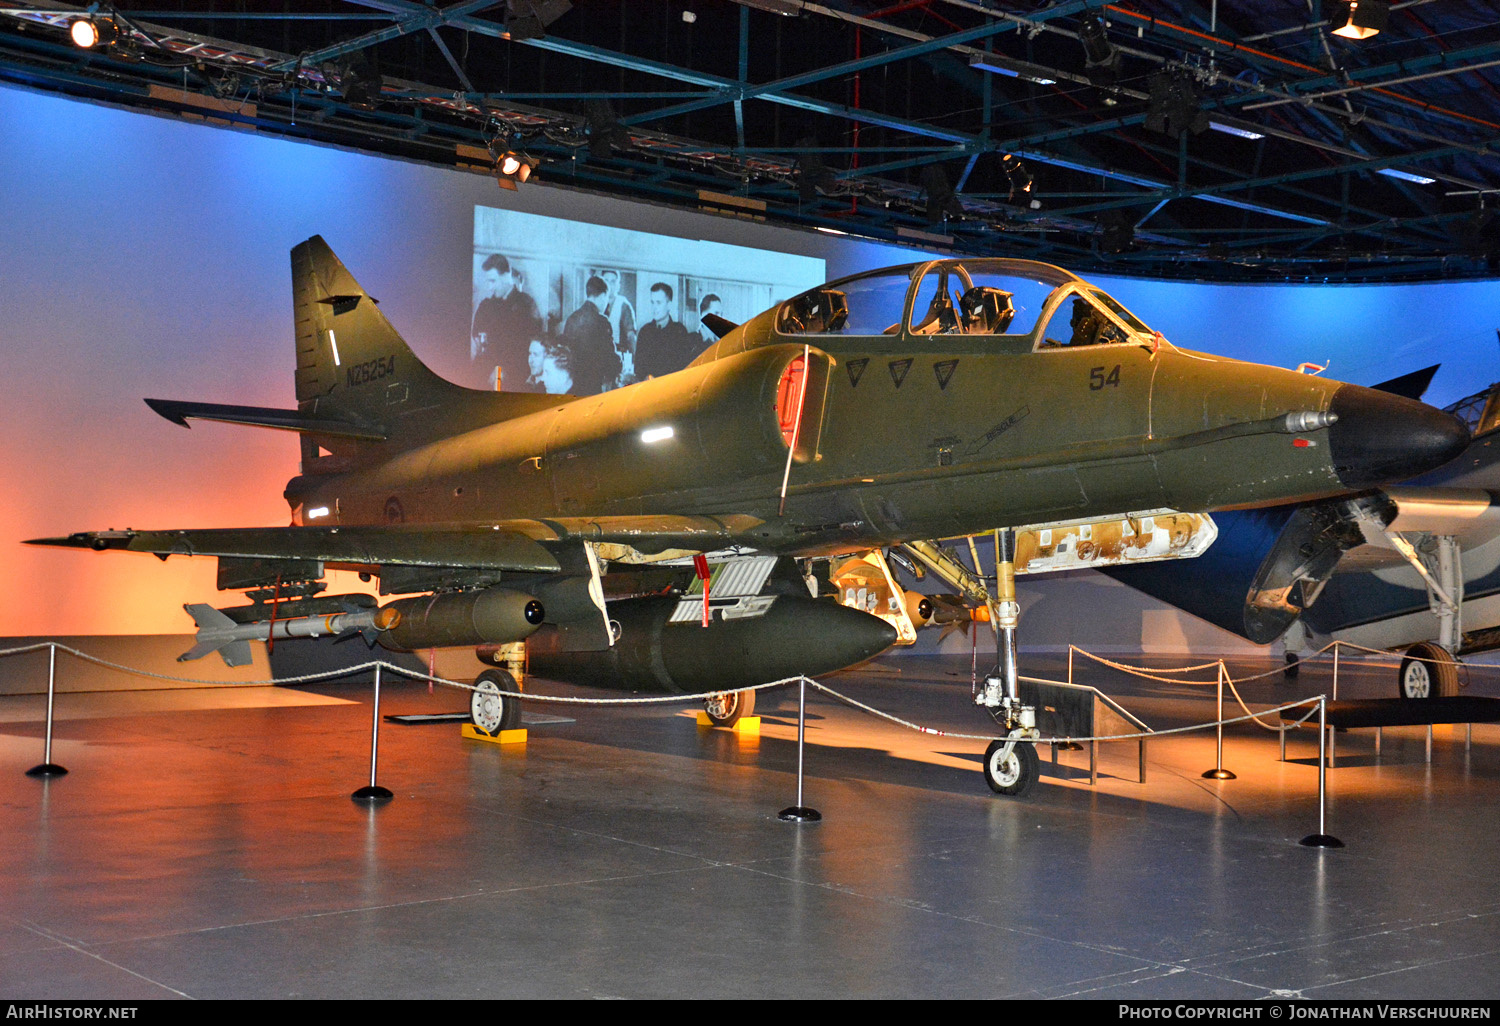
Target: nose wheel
<point x="1011" y="767"/>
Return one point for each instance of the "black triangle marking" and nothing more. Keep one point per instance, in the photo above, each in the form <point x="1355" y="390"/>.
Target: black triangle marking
<point x="856" y="371"/>
<point x="944" y="371"/>
<point x="899" y="369"/>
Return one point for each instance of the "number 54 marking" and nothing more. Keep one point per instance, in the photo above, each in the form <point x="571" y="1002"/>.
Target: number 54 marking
<point x="1097" y="379"/>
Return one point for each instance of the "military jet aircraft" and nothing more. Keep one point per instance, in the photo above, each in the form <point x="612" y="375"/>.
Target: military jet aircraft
<point x="668" y="535"/>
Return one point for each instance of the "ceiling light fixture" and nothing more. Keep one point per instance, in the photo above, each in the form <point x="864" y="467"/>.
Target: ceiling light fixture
<point x="1243" y="133"/>
<point x="529" y="19"/>
<point x="513" y="168"/>
<point x="1405" y="176"/>
<point x="1101" y="61"/>
<point x="1360" y="19"/>
<point x="988" y="62"/>
<point x="1016" y="175"/>
<point x="91" y="32"/>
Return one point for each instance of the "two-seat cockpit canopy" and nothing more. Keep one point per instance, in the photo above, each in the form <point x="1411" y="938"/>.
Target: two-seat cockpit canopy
<point x="1021" y="304"/>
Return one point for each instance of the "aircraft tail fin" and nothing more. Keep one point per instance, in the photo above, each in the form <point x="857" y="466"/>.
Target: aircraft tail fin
<point x="351" y="363"/>
<point x="355" y="369"/>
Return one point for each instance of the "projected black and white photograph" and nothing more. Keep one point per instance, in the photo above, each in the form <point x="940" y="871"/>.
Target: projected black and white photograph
<point x="570" y="308"/>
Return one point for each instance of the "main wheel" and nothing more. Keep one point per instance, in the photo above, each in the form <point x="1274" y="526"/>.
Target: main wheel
<point x="726" y="708"/>
<point x="1014" y="773"/>
<point x="490" y="706"/>
<point x="1428" y="671"/>
<point x="1293" y="666"/>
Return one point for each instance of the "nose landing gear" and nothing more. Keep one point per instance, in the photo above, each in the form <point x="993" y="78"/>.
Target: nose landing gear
<point x="1011" y="765"/>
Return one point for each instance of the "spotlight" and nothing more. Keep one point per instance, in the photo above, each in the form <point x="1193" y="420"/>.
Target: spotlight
<point x="91" y="32"/>
<point x="941" y="200"/>
<point x="528" y="19"/>
<point x="514" y="168"/>
<point x="1360" y="19"/>
<point x="813" y="176"/>
<point x="605" y="133"/>
<point x="1101" y="61"/>
<point x="1016" y="174"/>
<point x="1174" y="105"/>
<point x="360" y="80"/>
<point x="1117" y="231"/>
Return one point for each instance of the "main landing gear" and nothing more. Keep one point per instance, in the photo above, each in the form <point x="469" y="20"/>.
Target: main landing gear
<point x="490" y="705"/>
<point x="1428" y="671"/>
<point x="726" y="708"/>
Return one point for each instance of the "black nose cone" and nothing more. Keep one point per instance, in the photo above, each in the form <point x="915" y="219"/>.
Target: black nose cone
<point x="1382" y="438"/>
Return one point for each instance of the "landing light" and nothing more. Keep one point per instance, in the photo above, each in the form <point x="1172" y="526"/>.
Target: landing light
<point x="656" y="434"/>
<point x="321" y="511"/>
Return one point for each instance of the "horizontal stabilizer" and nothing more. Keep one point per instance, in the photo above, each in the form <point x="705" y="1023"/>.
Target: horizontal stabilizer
<point x="259" y="416"/>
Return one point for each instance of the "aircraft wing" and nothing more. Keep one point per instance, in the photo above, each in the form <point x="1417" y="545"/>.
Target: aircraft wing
<point x="557" y="561"/>
<point x="1471" y="516"/>
<point x="364" y="546"/>
<point x="514" y="546"/>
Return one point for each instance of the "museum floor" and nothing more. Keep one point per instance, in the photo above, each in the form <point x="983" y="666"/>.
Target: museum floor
<point x="204" y="845"/>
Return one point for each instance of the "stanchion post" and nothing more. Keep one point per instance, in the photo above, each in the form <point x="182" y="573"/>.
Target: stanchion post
<point x="1322" y="839"/>
<point x="800" y="813"/>
<point x="1219" y="772"/>
<point x="1335" y="670"/>
<point x="373" y="792"/>
<point x="48" y="768"/>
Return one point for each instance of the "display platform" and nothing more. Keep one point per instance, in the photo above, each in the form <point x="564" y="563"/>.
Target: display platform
<point x="211" y="852"/>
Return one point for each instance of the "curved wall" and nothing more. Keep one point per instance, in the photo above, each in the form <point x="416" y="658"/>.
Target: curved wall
<point x="147" y="256"/>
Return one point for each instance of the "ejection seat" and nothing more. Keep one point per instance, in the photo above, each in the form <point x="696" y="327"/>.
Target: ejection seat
<point x="819" y="312"/>
<point x="985" y="310"/>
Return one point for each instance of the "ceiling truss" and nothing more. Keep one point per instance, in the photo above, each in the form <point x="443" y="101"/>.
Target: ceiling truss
<point x="1305" y="157"/>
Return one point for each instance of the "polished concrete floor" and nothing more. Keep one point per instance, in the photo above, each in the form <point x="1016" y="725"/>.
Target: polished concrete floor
<point x="204" y="845"/>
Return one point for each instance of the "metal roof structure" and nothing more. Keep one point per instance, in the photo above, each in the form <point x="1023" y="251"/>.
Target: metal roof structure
<point x="1167" y="138"/>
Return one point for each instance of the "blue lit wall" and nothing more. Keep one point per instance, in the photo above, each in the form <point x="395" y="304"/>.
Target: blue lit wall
<point x="147" y="256"/>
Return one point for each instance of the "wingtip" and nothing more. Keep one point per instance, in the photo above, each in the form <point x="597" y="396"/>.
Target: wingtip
<point x="168" y="410"/>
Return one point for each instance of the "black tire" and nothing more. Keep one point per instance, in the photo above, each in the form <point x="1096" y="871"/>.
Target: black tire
<point x="1293" y="666"/>
<point x="490" y="708"/>
<point x="1016" y="773"/>
<point x="1428" y="671"/>
<point x="727" y="708"/>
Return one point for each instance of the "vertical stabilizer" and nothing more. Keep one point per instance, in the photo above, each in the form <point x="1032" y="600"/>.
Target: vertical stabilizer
<point x="353" y="367"/>
<point x="351" y="363"/>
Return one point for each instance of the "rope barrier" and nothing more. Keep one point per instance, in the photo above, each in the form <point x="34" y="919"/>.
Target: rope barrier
<point x="660" y="699"/>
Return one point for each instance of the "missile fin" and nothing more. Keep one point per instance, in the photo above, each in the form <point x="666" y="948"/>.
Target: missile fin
<point x="206" y="616"/>
<point x="236" y="653"/>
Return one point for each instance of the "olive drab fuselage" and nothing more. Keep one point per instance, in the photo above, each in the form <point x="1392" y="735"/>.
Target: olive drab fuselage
<point x="902" y="434"/>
